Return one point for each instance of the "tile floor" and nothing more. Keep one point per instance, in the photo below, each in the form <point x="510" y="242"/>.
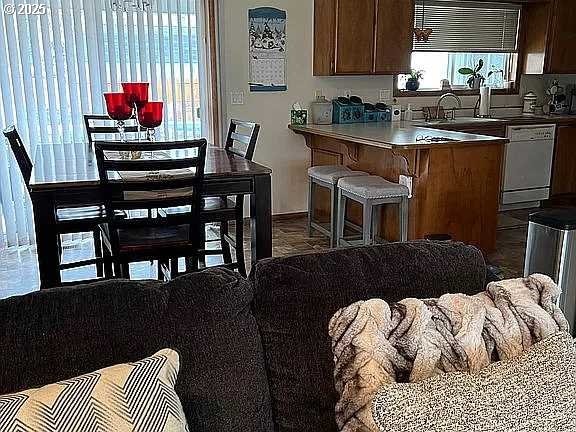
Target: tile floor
<point x="19" y="270"/>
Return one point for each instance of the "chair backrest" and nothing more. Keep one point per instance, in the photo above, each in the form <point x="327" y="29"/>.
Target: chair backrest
<point x="242" y="138"/>
<point x="20" y="153"/>
<point x="163" y="168"/>
<point x="167" y="175"/>
<point x="100" y="127"/>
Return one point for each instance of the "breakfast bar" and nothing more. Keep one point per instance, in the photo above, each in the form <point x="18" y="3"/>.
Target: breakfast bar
<point x="455" y="177"/>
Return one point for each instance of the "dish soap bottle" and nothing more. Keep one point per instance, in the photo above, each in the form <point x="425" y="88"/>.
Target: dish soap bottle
<point x="408" y="114"/>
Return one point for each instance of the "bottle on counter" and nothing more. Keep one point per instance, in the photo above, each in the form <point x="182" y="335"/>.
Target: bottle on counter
<point x="409" y="114"/>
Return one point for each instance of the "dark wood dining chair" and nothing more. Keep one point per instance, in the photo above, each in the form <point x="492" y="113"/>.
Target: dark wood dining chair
<point x="69" y="220"/>
<point x="168" y="175"/>
<point x="100" y="126"/>
<point x="241" y="141"/>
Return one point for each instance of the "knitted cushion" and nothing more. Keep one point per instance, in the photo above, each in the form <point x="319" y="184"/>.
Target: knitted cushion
<point x="534" y="392"/>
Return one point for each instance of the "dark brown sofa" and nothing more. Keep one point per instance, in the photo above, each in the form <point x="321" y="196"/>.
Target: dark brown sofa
<point x="255" y="354"/>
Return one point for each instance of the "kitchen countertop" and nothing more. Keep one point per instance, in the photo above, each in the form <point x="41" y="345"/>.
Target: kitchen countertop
<point x="397" y="135"/>
<point x="504" y="120"/>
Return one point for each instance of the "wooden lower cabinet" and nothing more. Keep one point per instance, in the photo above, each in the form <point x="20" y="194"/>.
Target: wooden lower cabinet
<point x="564" y="169"/>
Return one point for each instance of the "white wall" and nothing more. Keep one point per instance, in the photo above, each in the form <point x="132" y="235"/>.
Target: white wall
<point x="279" y="148"/>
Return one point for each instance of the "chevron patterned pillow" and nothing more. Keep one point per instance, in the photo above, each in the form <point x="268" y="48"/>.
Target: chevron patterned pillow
<point x="135" y="397"/>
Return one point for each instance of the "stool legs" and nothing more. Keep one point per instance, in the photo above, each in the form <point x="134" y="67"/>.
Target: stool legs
<point x="310" y="205"/>
<point x="341" y="219"/>
<point x="376" y="218"/>
<point x="404" y="219"/>
<point x="367" y="223"/>
<point x="333" y="217"/>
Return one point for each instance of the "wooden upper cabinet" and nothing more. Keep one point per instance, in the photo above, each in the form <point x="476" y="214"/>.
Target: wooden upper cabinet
<point x="362" y="37"/>
<point x="354" y="37"/>
<point x="564" y="170"/>
<point x="394" y="36"/>
<point x="562" y="45"/>
<point x="550" y="37"/>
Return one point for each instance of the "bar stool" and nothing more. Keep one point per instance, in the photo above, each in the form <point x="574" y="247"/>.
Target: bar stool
<point x="372" y="192"/>
<point x="327" y="176"/>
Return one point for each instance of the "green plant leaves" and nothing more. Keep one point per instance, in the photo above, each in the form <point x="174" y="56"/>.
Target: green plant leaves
<point x="465" y="71"/>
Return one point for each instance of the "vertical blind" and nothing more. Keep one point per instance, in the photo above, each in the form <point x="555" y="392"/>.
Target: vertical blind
<point x="465" y="26"/>
<point x="57" y="63"/>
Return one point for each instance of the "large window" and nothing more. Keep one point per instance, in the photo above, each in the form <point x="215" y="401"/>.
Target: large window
<point x="463" y="34"/>
<point x="57" y="63"/>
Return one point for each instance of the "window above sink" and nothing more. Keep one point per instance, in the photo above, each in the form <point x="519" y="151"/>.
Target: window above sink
<point x="466" y="37"/>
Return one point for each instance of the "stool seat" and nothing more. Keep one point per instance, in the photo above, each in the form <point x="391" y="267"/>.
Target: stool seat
<point x="373" y="187"/>
<point x="332" y="173"/>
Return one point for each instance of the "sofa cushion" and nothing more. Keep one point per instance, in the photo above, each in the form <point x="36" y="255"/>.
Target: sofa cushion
<point x="296" y="297"/>
<point x="533" y="392"/>
<point x="121" y="398"/>
<point x="57" y="334"/>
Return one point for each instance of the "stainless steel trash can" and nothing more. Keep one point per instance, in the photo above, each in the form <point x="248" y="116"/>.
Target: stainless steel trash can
<point x="551" y="250"/>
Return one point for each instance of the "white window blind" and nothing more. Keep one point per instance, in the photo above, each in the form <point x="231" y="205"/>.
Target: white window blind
<point x="55" y="66"/>
<point x="465" y="26"/>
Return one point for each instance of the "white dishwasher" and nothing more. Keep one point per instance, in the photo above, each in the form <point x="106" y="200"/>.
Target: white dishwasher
<point x="528" y="172"/>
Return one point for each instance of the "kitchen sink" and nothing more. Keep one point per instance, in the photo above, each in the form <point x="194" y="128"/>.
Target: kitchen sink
<point x="460" y="120"/>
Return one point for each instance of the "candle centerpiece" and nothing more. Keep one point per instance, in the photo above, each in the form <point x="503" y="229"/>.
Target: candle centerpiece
<point x="119" y="109"/>
<point x="150" y="117"/>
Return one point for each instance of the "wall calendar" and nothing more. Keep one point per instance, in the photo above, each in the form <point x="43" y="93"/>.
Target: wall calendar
<point x="267" y="32"/>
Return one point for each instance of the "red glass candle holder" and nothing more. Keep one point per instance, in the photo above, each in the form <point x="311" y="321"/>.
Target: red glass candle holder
<point x="150" y="116"/>
<point x="117" y="106"/>
<point x="119" y="110"/>
<point x="137" y="93"/>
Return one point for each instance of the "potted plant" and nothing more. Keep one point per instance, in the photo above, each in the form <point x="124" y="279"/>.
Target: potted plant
<point x="496" y="71"/>
<point x="475" y="79"/>
<point x="413" y="82"/>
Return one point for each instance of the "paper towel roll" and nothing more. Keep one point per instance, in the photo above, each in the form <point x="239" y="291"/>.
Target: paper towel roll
<point x="485" y="95"/>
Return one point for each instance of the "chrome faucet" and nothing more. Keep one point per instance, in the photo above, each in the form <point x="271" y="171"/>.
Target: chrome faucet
<point x="442" y="98"/>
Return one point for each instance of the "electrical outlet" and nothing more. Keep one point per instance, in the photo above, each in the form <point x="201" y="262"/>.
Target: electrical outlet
<point x="318" y="93"/>
<point x="406" y="181"/>
<point x="348" y="93"/>
<point x="237" y="97"/>
<point x="385" y="95"/>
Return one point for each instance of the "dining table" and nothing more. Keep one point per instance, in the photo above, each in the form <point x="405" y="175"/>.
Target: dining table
<point x="66" y="175"/>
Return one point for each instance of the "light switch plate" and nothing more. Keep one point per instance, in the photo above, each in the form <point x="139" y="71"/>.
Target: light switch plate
<point x="385" y="95"/>
<point x="237" y="97"/>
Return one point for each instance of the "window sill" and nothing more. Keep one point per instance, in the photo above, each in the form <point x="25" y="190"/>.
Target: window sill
<point x="470" y="92"/>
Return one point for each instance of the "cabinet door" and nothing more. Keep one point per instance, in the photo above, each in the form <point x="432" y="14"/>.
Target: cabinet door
<point x="562" y="43"/>
<point x="564" y="171"/>
<point x="394" y="36"/>
<point x="355" y="37"/>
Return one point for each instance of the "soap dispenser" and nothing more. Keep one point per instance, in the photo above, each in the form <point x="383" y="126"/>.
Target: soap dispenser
<point x="408" y="114"/>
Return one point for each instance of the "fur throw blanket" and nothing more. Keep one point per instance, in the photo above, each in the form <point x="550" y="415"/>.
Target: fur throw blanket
<point x="376" y="344"/>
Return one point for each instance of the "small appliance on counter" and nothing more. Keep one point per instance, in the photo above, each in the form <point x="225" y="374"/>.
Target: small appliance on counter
<point x="348" y="110"/>
<point x="321" y="110"/>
